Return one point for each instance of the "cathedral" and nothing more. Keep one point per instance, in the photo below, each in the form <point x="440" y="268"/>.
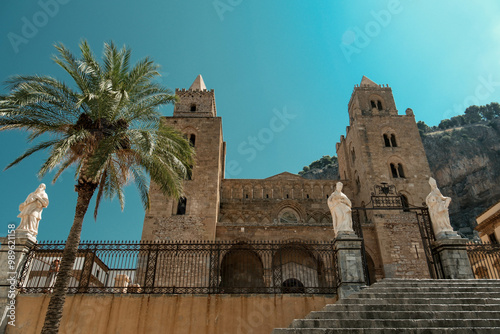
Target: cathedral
<point x="251" y="255"/>
<point x="382" y="165"/>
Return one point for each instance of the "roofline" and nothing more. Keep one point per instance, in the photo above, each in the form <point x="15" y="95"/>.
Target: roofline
<point x="488" y="213"/>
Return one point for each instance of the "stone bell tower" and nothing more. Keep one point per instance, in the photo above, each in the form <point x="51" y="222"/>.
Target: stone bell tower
<point x="194" y="216"/>
<point x="382" y="146"/>
<point x="382" y="152"/>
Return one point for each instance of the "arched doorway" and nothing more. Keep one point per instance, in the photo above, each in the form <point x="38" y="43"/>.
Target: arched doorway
<point x="292" y="285"/>
<point x="297" y="270"/>
<point x="241" y="270"/>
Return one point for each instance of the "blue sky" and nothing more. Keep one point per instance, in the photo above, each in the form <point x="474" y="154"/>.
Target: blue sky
<point x="298" y="58"/>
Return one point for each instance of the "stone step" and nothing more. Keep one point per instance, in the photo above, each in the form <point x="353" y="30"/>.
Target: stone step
<point x="431" y="295"/>
<point x="394" y="323"/>
<point x="423" y="330"/>
<point x="410" y="307"/>
<point x="442" y="301"/>
<point x="413" y="314"/>
<point x="450" y="283"/>
<point x="414" y="289"/>
<point x="437" y="281"/>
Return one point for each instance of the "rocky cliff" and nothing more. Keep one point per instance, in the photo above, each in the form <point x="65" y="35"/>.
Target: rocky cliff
<point x="464" y="161"/>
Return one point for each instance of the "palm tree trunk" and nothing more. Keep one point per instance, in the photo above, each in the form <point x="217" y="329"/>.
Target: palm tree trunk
<point x="54" y="312"/>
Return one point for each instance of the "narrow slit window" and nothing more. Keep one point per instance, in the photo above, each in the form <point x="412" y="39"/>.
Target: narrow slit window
<point x="405" y="203"/>
<point x="401" y="171"/>
<point x="181" y="206"/>
<point x="394" y="171"/>
<point x="393" y="141"/>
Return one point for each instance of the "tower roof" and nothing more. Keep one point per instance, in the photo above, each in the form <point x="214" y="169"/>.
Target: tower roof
<point x="367" y="82"/>
<point x="198" y="84"/>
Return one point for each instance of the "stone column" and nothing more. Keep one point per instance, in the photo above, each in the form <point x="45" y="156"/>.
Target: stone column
<point x="13" y="251"/>
<point x="349" y="263"/>
<point x="454" y="259"/>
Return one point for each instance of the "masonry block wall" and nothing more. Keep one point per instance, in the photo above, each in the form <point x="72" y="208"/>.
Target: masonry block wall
<point x="194" y="116"/>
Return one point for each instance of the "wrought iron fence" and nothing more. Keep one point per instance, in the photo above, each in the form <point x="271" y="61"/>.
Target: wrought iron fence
<point x="485" y="260"/>
<point x="187" y="267"/>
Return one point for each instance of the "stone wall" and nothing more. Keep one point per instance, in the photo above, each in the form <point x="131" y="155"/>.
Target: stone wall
<point x="179" y="314"/>
<point x="161" y="221"/>
<point x="400" y="245"/>
<point x="282" y="207"/>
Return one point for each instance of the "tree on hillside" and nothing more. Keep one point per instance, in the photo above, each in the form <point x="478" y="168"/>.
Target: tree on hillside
<point x="108" y="127"/>
<point x="472" y="114"/>
<point x="325" y="160"/>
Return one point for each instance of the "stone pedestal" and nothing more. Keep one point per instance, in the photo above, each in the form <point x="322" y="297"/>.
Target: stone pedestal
<point x="349" y="263"/>
<point x="13" y="251"/>
<point x="454" y="260"/>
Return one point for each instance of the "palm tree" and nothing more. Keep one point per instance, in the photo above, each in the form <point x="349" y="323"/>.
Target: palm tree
<point x="108" y="126"/>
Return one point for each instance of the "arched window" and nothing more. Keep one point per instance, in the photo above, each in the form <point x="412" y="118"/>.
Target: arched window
<point x="181" y="206"/>
<point x="393" y="141"/>
<point x="390" y="140"/>
<point x="379" y="105"/>
<point x="192" y="139"/>
<point x="288" y="216"/>
<point x="373" y="104"/>
<point x="193" y="107"/>
<point x="387" y="142"/>
<point x="397" y="170"/>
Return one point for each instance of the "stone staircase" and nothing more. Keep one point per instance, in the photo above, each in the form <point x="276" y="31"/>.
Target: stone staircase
<point x="409" y="306"/>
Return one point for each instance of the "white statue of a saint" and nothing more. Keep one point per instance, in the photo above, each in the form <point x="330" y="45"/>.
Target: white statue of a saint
<point x="438" y="210"/>
<point x="340" y="207"/>
<point x="31" y="210"/>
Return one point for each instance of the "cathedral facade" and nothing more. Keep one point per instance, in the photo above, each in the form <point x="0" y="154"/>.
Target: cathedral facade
<point x="382" y="164"/>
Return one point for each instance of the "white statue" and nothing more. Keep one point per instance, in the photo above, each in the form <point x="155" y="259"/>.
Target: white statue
<point x="340" y="207"/>
<point x="438" y="210"/>
<point x="31" y="210"/>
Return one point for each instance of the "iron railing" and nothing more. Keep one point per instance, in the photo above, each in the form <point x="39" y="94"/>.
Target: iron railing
<point x="187" y="268"/>
<point x="484" y="259"/>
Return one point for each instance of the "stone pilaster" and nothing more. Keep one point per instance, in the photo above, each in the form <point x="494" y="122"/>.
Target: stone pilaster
<point x="350" y="264"/>
<point x="454" y="260"/>
<point x="13" y="251"/>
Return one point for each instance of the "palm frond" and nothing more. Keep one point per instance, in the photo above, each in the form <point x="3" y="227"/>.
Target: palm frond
<point x="32" y="150"/>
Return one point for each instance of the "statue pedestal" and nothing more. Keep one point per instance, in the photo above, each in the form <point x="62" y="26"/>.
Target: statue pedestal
<point x="13" y="251"/>
<point x="454" y="259"/>
<point x="24" y="234"/>
<point x="349" y="263"/>
<point x="447" y="235"/>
